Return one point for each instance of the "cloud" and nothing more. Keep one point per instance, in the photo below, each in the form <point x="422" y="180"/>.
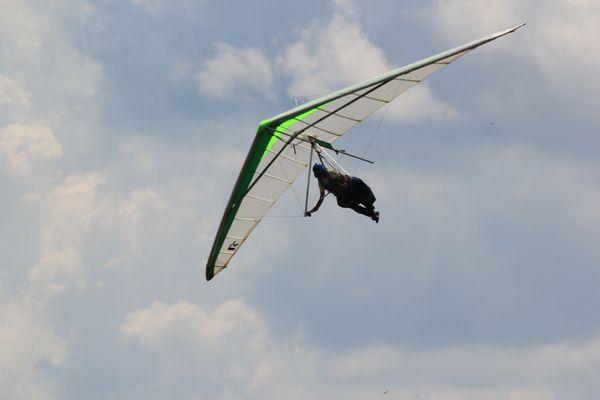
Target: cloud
<point x="156" y="324"/>
<point x="539" y="372"/>
<point x="55" y="272"/>
<point x="471" y="244"/>
<point x="38" y="49"/>
<point x="162" y="7"/>
<point x="229" y="342"/>
<point x="85" y="221"/>
<point x="483" y="18"/>
<point x="155" y="6"/>
<point x="47" y="87"/>
<point x="324" y="58"/>
<point x="327" y="57"/>
<point x="99" y="246"/>
<point x="559" y="38"/>
<point x="12" y="94"/>
<point x="566" y="45"/>
<point x="421" y="104"/>
<point x="29" y="345"/>
<point x="28" y="147"/>
<point x="232" y="345"/>
<point x="235" y="73"/>
<point x="69" y="211"/>
<point x="71" y="208"/>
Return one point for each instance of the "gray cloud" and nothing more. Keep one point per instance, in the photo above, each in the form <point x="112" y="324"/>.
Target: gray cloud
<point x="479" y="282"/>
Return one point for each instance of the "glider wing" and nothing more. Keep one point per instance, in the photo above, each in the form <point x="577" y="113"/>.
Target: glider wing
<point x="280" y="152"/>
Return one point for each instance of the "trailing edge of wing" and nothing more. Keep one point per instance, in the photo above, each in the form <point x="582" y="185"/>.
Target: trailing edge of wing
<point x="278" y="153"/>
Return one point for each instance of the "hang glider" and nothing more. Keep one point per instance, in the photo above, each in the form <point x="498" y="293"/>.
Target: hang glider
<point x="282" y="145"/>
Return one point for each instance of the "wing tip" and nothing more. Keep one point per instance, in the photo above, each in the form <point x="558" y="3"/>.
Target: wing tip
<point x="212" y="271"/>
<point x="519" y="26"/>
<point x="511" y="30"/>
<point x="502" y="33"/>
<point x="209" y="272"/>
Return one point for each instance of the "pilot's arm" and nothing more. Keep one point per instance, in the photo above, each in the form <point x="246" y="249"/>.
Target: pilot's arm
<point x="319" y="202"/>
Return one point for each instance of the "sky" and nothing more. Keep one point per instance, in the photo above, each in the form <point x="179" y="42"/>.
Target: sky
<point x="124" y="124"/>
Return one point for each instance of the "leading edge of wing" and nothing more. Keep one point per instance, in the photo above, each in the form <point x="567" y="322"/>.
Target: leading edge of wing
<point x="390" y="75"/>
<point x="235" y="199"/>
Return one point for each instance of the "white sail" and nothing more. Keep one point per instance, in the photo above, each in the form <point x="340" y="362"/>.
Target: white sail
<point x="280" y="151"/>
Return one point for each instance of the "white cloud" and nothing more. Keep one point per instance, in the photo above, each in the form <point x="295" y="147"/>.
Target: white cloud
<point x="560" y="37"/>
<point x="229" y="344"/>
<point x="328" y="57"/>
<point x="28" y="342"/>
<point x="75" y="215"/>
<point x="37" y="50"/>
<point x="160" y="7"/>
<point x="466" y="20"/>
<point x="28" y="147"/>
<point x="230" y="339"/>
<point x="538" y="372"/>
<point x="79" y="214"/>
<point x="439" y="221"/>
<point x="153" y="5"/>
<point x="154" y="326"/>
<point x="235" y="73"/>
<point x="69" y="210"/>
<point x="83" y="215"/>
<point x="46" y="78"/>
<point x="55" y="272"/>
<point x="152" y="212"/>
<point x="419" y="104"/>
<point x="141" y="159"/>
<point x="232" y="345"/>
<point x="133" y="209"/>
<point x="567" y="46"/>
<point x="12" y="94"/>
<point x="323" y="59"/>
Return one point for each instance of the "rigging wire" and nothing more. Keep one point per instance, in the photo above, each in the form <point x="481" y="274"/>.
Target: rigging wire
<point x="308" y="173"/>
<point x="291" y="185"/>
<point x="383" y="115"/>
<point x="364" y="153"/>
<point x="283" y="216"/>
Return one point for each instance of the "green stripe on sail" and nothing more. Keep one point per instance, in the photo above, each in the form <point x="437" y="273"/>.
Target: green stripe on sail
<point x="284" y="126"/>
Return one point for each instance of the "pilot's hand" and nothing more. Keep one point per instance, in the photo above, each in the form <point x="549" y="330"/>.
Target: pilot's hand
<point x="307" y="214"/>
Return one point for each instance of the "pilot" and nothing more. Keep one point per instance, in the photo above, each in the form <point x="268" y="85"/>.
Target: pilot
<point x="350" y="192"/>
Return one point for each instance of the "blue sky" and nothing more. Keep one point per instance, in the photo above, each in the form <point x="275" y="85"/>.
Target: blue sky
<point x="123" y="126"/>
